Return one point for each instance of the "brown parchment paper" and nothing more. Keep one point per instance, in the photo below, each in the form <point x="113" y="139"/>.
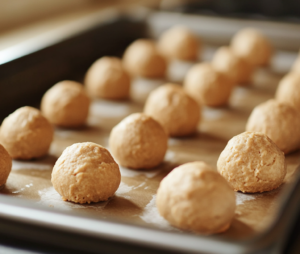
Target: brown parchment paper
<point x="134" y="201"/>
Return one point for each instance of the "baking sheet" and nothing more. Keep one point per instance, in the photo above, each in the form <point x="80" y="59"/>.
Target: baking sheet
<point x="135" y="199"/>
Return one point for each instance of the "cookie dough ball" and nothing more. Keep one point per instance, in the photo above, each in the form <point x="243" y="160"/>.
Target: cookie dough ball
<point x="138" y="142"/>
<point x="107" y="79"/>
<point x="288" y="90"/>
<point x="251" y="162"/>
<point x="253" y="46"/>
<point x="26" y="134"/>
<point x="208" y="86"/>
<point x="85" y="173"/>
<point x="194" y="197"/>
<point x="66" y="104"/>
<point x="236" y="68"/>
<point x="174" y="109"/>
<point x="279" y="121"/>
<point x="5" y="165"/>
<point x="179" y="43"/>
<point x="142" y="58"/>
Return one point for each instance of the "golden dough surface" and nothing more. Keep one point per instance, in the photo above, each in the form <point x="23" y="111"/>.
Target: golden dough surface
<point x="26" y="134"/>
<point x="66" y="104"/>
<point x="251" y="162"/>
<point x="279" y="121"/>
<point x="107" y="78"/>
<point x="138" y="142"/>
<point x="5" y="165"/>
<point x="85" y="173"/>
<point x="174" y="109"/>
<point x="196" y="198"/>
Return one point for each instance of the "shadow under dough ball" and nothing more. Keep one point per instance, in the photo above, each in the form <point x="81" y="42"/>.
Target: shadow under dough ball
<point x="196" y="198"/>
<point x="251" y="162"/>
<point x="5" y="165"/>
<point x="26" y="134"/>
<point x="138" y="142"/>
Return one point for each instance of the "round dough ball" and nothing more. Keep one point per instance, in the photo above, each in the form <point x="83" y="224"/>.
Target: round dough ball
<point x="141" y="58"/>
<point x="85" y="173"/>
<point x="107" y="79"/>
<point x="138" y="142"/>
<point x="174" y="109"/>
<point x="279" y="121"/>
<point x="208" y="86"/>
<point x="288" y="90"/>
<point x="251" y="162"/>
<point x="66" y="104"/>
<point x="179" y="43"/>
<point x="194" y="197"/>
<point x="5" y="165"/>
<point x="26" y="134"/>
<point x="253" y="46"/>
<point x="236" y="68"/>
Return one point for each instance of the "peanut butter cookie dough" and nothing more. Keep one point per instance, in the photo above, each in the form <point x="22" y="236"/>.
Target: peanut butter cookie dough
<point x="26" y="134"/>
<point x="138" y="142"/>
<point x="174" y="109"/>
<point x="208" y="86"/>
<point x="196" y="198"/>
<point x="85" y="173"/>
<point x="251" y="162"/>
<point x="5" y="165"/>
<point x="107" y="79"/>
<point x="66" y="104"/>
<point x="142" y="59"/>
<point x="253" y="46"/>
<point x="279" y="121"/>
<point x="179" y="43"/>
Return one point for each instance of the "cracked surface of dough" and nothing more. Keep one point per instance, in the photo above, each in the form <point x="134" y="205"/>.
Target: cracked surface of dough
<point x="251" y="162"/>
<point x="138" y="142"/>
<point x="85" y="173"/>
<point x="26" y="134"/>
<point x="279" y="121"/>
<point x="174" y="109"/>
<point x="196" y="198"/>
<point x="5" y="165"/>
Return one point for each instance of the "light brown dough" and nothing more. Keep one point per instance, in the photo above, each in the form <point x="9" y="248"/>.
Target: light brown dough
<point x="288" y="90"/>
<point x="85" y="173"/>
<point x="179" y="43"/>
<point x="66" y="104"/>
<point x="26" y="134"/>
<point x="142" y="58"/>
<point x="236" y="68"/>
<point x="251" y="162"/>
<point x="208" y="86"/>
<point x="253" y="46"/>
<point x="194" y="197"/>
<point x="107" y="79"/>
<point x="174" y="109"/>
<point x="5" y="165"/>
<point x="138" y="142"/>
<point x="279" y="121"/>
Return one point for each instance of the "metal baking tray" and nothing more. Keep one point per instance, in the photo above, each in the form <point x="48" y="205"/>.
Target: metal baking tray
<point x="27" y="70"/>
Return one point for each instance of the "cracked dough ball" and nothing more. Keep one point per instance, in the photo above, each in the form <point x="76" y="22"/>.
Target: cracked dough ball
<point x="253" y="46"/>
<point x="179" y="43"/>
<point x="85" y="173"/>
<point x="142" y="58"/>
<point x="251" y="162"/>
<point x="107" y="78"/>
<point x="236" y="68"/>
<point x="26" y="134"/>
<point x="208" y="86"/>
<point x="138" y="142"/>
<point x="5" y="165"/>
<point x="279" y="121"/>
<point x="174" y="109"/>
<point x="66" y="104"/>
<point x="194" y="197"/>
<point x="288" y="90"/>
